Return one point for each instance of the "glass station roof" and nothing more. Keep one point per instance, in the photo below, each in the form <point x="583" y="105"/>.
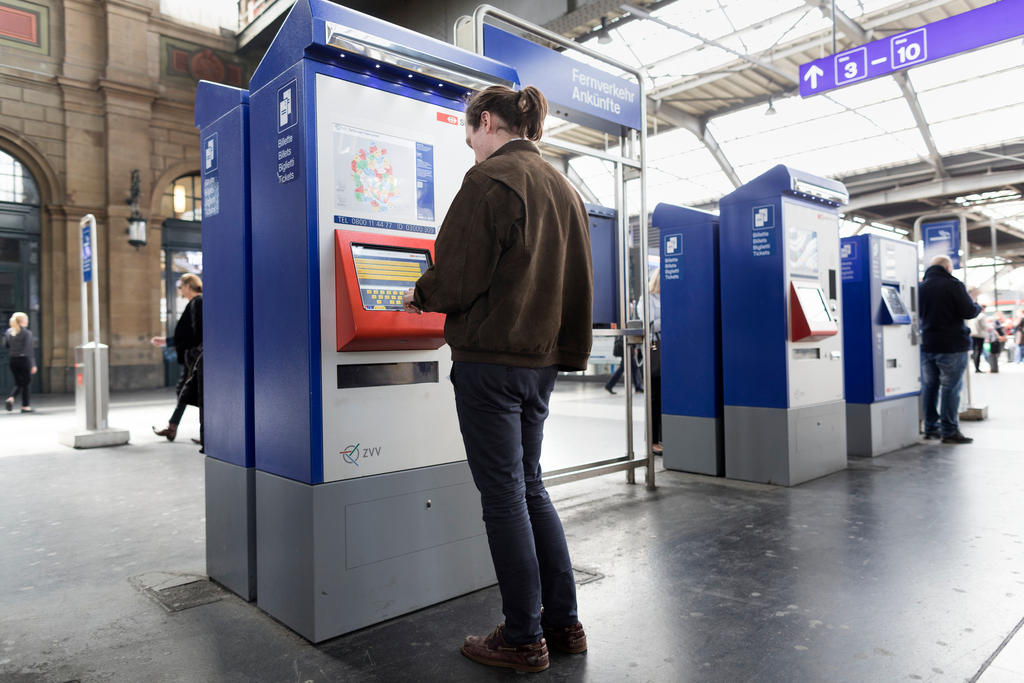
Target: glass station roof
<point x="969" y="101"/>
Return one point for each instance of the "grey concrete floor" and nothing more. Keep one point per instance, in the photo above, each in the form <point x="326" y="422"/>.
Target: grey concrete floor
<point x="905" y="567"/>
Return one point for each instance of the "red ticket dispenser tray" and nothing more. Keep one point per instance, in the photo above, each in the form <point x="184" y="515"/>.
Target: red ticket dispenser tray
<point x="371" y="272"/>
<point x="810" y="319"/>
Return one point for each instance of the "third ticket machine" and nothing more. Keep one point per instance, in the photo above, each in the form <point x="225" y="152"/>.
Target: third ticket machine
<point x="365" y="508"/>
<point x="882" y="350"/>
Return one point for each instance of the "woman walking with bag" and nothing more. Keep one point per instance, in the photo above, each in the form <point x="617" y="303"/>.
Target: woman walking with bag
<point x="188" y="342"/>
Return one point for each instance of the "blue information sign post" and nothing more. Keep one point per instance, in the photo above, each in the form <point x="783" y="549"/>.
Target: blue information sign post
<point x="91" y="360"/>
<point x="86" y="253"/>
<point x="960" y="33"/>
<point x="941" y="238"/>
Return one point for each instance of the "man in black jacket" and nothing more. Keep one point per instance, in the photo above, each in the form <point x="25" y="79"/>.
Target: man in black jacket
<point x="945" y="341"/>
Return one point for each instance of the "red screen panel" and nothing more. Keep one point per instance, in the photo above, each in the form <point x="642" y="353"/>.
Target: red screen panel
<point x="370" y="273"/>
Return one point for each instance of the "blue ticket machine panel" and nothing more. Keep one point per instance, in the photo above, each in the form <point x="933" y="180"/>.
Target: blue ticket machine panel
<point x="691" y="351"/>
<point x="782" y="345"/>
<point x="365" y="505"/>
<point x="604" y="253"/>
<point x="881" y="346"/>
<point x="222" y="116"/>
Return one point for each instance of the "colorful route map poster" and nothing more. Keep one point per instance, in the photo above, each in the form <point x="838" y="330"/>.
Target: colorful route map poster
<point x="375" y="174"/>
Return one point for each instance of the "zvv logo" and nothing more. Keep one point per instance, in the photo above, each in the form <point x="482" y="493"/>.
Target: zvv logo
<point x="352" y="453"/>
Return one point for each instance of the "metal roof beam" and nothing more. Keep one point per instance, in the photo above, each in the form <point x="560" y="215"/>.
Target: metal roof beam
<point x="699" y="128"/>
<point x="936" y="188"/>
<point x="910" y="95"/>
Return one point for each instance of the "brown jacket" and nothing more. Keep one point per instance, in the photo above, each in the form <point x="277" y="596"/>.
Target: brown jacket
<point x="513" y="268"/>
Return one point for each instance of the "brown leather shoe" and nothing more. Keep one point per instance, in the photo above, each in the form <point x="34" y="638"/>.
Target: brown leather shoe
<point x="170" y="431"/>
<point x="569" y="639"/>
<point x="492" y="650"/>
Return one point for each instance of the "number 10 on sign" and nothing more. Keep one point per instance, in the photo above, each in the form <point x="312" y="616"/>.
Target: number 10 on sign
<point x="909" y="48"/>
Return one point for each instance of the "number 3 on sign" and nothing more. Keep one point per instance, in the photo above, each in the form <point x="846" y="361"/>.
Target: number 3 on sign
<point x="851" y="65"/>
<point x="909" y="48"/>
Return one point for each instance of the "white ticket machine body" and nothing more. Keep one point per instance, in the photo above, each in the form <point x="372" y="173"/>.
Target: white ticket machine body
<point x="782" y="369"/>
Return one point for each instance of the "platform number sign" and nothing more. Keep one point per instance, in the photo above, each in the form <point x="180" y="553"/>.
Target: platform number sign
<point x="851" y="66"/>
<point x="987" y="25"/>
<point x="909" y="48"/>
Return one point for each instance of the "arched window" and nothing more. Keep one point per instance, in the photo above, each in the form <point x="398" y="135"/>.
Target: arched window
<point x="184" y="199"/>
<point x="181" y="252"/>
<point x="17" y="185"/>
<point x="19" y="256"/>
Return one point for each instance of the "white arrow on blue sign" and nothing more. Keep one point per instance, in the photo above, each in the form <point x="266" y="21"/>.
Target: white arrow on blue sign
<point x="960" y="33"/>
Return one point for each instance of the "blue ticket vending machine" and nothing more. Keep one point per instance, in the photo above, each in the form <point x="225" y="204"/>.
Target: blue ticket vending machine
<point x="782" y="347"/>
<point x="882" y="356"/>
<point x="691" y="351"/>
<point x="222" y="116"/>
<point x="365" y="507"/>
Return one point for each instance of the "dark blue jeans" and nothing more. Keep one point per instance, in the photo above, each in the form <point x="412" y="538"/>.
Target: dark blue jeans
<point x="942" y="375"/>
<point x="501" y="414"/>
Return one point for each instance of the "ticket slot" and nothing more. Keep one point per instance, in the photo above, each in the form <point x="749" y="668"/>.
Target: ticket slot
<point x="386" y="374"/>
<point x="371" y="274"/>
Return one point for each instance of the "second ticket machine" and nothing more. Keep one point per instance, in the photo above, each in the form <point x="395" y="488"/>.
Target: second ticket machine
<point x="782" y="346"/>
<point x="882" y="353"/>
<point x="691" y="351"/>
<point x="222" y="115"/>
<point x="365" y="507"/>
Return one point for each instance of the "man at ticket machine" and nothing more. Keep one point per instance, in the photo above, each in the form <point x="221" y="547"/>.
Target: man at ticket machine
<point x="513" y="274"/>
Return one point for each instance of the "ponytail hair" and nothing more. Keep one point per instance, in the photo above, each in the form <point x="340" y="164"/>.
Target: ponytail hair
<point x="522" y="112"/>
<point x="18" y="322"/>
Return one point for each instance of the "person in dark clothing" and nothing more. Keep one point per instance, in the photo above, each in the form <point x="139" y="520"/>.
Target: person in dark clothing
<point x="18" y="338"/>
<point x="514" y="276"/>
<point x="188" y="342"/>
<point x="996" y="339"/>
<point x="944" y="305"/>
<point x="638" y="381"/>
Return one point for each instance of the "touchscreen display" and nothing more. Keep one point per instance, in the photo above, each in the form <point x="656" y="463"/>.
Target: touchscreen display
<point x="812" y="301"/>
<point x="894" y="301"/>
<point x="385" y="273"/>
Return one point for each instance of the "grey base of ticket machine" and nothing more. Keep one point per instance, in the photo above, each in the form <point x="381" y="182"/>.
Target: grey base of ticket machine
<point x="335" y="557"/>
<point x="785" y="446"/>
<point x="231" y="527"/>
<point x="881" y="427"/>
<point x="693" y="444"/>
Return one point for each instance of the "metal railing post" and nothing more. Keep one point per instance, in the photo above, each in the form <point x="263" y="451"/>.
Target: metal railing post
<point x="627" y="462"/>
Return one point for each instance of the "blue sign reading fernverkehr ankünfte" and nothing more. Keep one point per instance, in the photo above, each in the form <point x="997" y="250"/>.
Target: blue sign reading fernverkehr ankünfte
<point x="595" y="98"/>
<point x="960" y="33"/>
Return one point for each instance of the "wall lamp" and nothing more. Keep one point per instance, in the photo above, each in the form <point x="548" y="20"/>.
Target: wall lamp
<point x="136" y="223"/>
